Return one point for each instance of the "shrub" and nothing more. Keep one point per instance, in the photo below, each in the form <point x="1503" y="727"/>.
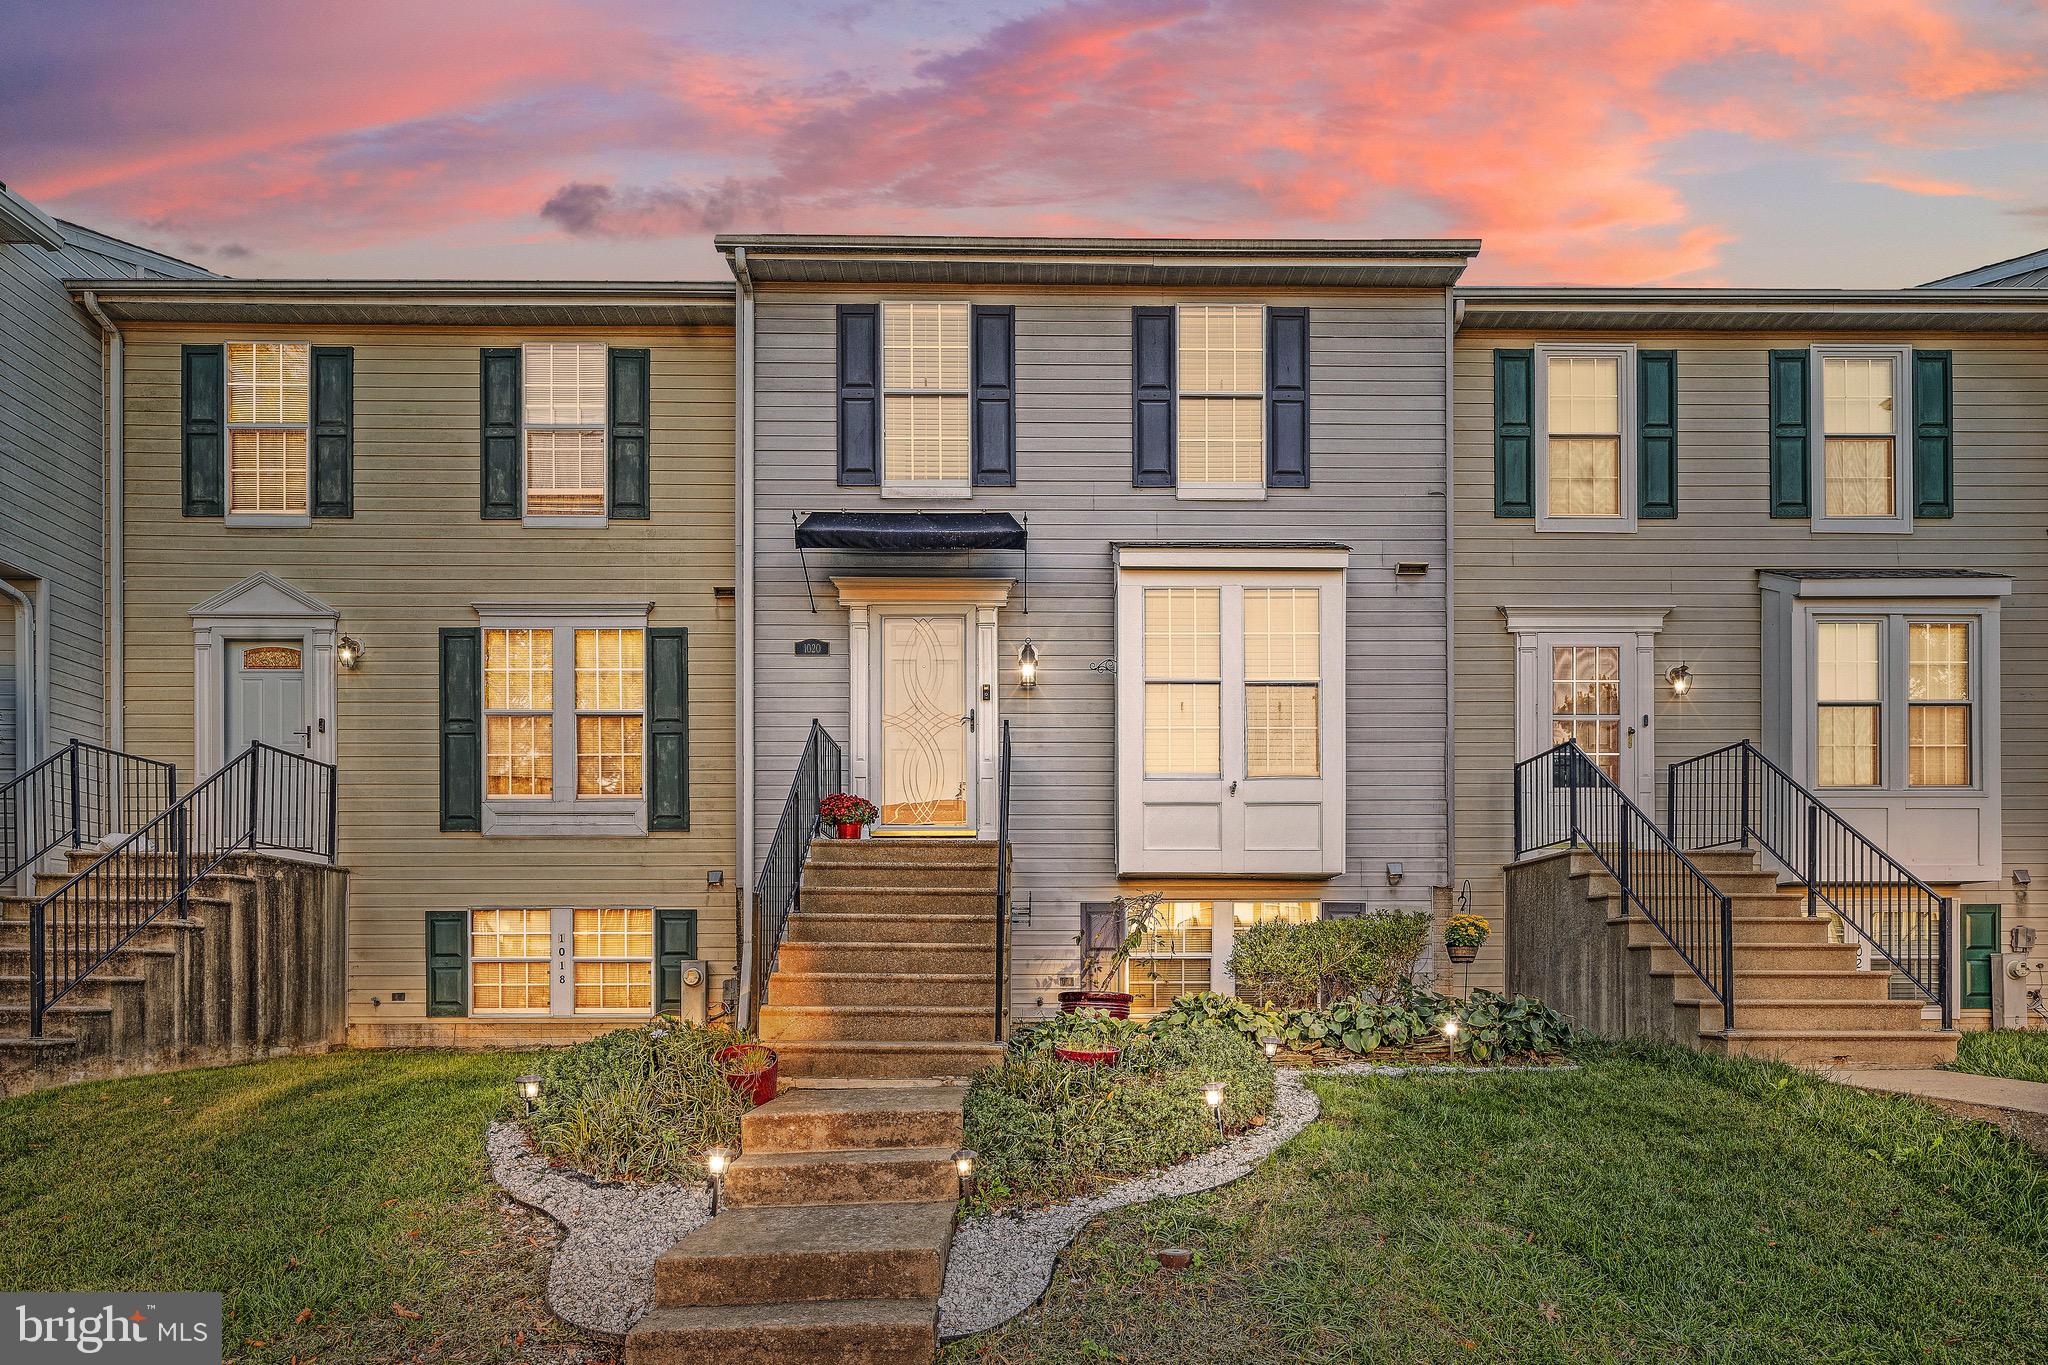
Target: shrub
<point x="1322" y="960"/>
<point x="1209" y="1010"/>
<point x="1083" y="1029"/>
<point x="1491" y="1026"/>
<point x="637" y="1104"/>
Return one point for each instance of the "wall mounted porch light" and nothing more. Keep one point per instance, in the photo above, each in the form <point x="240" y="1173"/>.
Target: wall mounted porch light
<point x="348" y="652"/>
<point x="1027" y="666"/>
<point x="1680" y="678"/>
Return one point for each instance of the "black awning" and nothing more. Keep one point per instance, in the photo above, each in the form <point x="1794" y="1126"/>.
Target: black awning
<point x="909" y="532"/>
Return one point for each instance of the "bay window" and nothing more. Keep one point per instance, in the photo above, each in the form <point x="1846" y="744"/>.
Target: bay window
<point x="268" y="432"/>
<point x="925" y="408"/>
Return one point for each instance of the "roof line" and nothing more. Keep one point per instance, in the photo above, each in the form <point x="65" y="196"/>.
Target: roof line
<point x="883" y="244"/>
<point x="461" y="289"/>
<point x="1582" y="294"/>
<point x="137" y="247"/>
<point x="1997" y="270"/>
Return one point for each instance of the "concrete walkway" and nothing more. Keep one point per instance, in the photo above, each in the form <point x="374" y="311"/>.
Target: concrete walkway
<point x="2019" y="1107"/>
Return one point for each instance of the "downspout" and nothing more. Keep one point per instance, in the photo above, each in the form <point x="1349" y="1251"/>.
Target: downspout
<point x="1454" y="314"/>
<point x="32" y="676"/>
<point x="117" y="516"/>
<point x="743" y="586"/>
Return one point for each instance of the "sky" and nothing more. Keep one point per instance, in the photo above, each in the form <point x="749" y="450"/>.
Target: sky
<point x="1859" y="143"/>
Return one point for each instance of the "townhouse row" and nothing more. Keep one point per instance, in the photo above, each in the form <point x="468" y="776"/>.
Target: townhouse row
<point x="1243" y="571"/>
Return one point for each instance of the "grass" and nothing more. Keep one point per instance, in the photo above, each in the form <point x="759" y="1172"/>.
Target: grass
<point x="342" y="1204"/>
<point x="2008" y="1052"/>
<point x="1654" y="1205"/>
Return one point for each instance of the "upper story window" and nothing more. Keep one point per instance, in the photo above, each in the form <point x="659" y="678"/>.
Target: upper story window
<point x="564" y="724"/>
<point x="1221" y="420"/>
<point x="1586" y="472"/>
<point x="925" y="399"/>
<point x="563" y="384"/>
<point x="1860" y="415"/>
<point x="268" y="431"/>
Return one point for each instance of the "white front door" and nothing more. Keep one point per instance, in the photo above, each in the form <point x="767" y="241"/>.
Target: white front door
<point x="924" y="719"/>
<point x="266" y="697"/>
<point x="1591" y="686"/>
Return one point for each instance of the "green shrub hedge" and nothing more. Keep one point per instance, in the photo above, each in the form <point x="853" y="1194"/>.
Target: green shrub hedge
<point x="1491" y="1026"/>
<point x="1300" y="965"/>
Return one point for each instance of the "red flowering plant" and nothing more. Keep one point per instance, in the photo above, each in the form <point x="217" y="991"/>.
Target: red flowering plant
<point x="844" y="808"/>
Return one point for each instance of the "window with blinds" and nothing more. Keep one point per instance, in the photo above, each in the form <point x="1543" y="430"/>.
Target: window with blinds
<point x="1584" y="416"/>
<point x="268" y="410"/>
<point x="1849" y="703"/>
<point x="1183" y="681"/>
<point x="610" y="699"/>
<point x="613" y="969"/>
<point x="1283" y="652"/>
<point x="519" y="720"/>
<point x="562" y="384"/>
<point x="925" y="352"/>
<point x="546" y="686"/>
<point x="1938" y="699"/>
<point x="508" y="961"/>
<point x="1221" y="418"/>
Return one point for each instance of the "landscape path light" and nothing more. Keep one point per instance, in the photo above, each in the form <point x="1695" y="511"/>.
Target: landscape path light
<point x="716" y="1159"/>
<point x="963" y="1162"/>
<point x="528" y="1087"/>
<point x="1272" y="1046"/>
<point x="1212" y="1095"/>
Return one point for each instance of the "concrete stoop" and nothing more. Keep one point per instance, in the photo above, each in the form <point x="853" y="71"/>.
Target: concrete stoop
<point x="1799" y="997"/>
<point x="256" y="968"/>
<point x="832" y="1242"/>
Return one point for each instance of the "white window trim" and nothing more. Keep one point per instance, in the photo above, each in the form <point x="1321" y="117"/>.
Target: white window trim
<point x="262" y="520"/>
<point x="1223" y="937"/>
<point x="562" y="962"/>
<point x="1894" y="703"/>
<point x="585" y="520"/>
<point x="260" y="607"/>
<point x="566" y="814"/>
<point x="1537" y="629"/>
<point x="1624" y="355"/>
<point x="921" y="488"/>
<point x="1901" y="522"/>
<point x="1220" y="492"/>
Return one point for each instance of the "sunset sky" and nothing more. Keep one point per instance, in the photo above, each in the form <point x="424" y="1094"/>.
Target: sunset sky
<point x="1760" y="142"/>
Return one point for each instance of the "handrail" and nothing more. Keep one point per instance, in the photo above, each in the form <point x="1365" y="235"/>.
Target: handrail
<point x="1563" y="798"/>
<point x="266" y="798"/>
<point x="1735" y="793"/>
<point x="1002" y="877"/>
<point x="78" y="795"/>
<point x="778" y="891"/>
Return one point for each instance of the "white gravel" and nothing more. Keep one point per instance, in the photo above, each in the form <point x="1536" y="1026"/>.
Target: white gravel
<point x="602" y="1278"/>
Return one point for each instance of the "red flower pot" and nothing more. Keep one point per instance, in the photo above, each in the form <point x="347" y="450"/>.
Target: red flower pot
<point x="760" y="1084"/>
<point x="849" y="829"/>
<point x="1116" y="1003"/>
<point x="1087" y="1056"/>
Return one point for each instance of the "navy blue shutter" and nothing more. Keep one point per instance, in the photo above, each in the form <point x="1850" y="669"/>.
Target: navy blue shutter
<point x="1790" y="416"/>
<point x="994" y="367"/>
<point x="334" y="417"/>
<point x="1287" y="398"/>
<point x="203" y="404"/>
<point x="447" y="963"/>
<point x="462" y="741"/>
<point x="1657" y="435"/>
<point x="498" y="434"/>
<point x="675" y="942"/>
<point x="860" y="395"/>
<point x="668" y="728"/>
<point x="1514" y="405"/>
<point x="1934" y="493"/>
<point x="1152" y="397"/>
<point x="626" y="433"/>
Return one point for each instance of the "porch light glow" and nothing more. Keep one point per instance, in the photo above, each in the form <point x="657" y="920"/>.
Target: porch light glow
<point x="1680" y="678"/>
<point x="348" y="652"/>
<point x="1027" y="666"/>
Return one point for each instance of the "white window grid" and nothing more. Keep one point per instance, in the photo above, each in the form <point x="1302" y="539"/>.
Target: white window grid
<point x="276" y="388"/>
<point x="618" y="943"/>
<point x="1861" y="436"/>
<point x="519" y="712"/>
<point x="1847" y="689"/>
<point x="1567" y="424"/>
<point x="493" y="971"/>
<point x="563" y="431"/>
<point x="611" y="728"/>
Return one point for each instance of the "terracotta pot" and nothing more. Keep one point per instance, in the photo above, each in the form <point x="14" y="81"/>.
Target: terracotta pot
<point x="759" y="1083"/>
<point x="1463" y="952"/>
<point x="1116" y="1003"/>
<point x="1086" y="1056"/>
<point x="1174" y="1258"/>
<point x="849" y="829"/>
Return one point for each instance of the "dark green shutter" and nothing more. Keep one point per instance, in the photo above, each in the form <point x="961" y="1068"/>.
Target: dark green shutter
<point x="1791" y="412"/>
<point x="1345" y="910"/>
<point x="1153" y="397"/>
<point x="1934" y="492"/>
<point x="675" y="942"/>
<point x="668" y="728"/>
<point x="860" y="395"/>
<point x="1657" y="435"/>
<point x="1287" y="398"/>
<point x="499" y="434"/>
<point x="203" y="402"/>
<point x="993" y="428"/>
<point x="447" y="963"/>
<point x="626" y="423"/>
<point x="1980" y="941"/>
<point x="462" y="744"/>
<point x="1514" y="404"/>
<point x="334" y="428"/>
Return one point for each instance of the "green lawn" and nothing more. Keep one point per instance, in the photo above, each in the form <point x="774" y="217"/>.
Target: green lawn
<point x="342" y="1203"/>
<point x="1653" y="1206"/>
<point x="2008" y="1052"/>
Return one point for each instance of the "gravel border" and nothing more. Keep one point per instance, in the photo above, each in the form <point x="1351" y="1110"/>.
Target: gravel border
<point x="602" y="1275"/>
<point x="1002" y="1263"/>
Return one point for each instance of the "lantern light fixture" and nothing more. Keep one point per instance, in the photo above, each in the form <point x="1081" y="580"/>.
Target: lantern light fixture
<point x="348" y="652"/>
<point x="1027" y="666"/>
<point x="963" y="1162"/>
<point x="1212" y="1095"/>
<point x="1680" y="678"/>
<point x="1272" y="1046"/>
<point x="716" y="1160"/>
<point x="528" y="1087"/>
<point x="1451" y="1030"/>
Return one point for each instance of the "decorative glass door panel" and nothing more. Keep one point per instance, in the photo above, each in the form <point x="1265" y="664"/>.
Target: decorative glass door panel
<point x="1585" y="702"/>
<point x="926" y="750"/>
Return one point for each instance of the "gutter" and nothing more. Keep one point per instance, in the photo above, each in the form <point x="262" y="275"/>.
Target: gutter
<point x="1454" y="315"/>
<point x="743" y="753"/>
<point x="117" y="517"/>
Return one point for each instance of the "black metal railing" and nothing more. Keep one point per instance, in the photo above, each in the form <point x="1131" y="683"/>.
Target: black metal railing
<point x="266" y="798"/>
<point x="778" y="891"/>
<point x="1563" y="799"/>
<point x="78" y="796"/>
<point x="1002" y="878"/>
<point x="1734" y="795"/>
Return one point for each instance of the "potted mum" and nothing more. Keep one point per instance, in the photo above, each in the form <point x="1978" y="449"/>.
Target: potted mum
<point x="1464" y="934"/>
<point x="751" y="1069"/>
<point x="847" y="813"/>
<point x="1101" y="972"/>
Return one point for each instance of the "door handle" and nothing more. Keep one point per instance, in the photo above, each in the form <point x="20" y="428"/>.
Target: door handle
<point x="1233" y="788"/>
<point x="305" y="737"/>
<point x="968" y="721"/>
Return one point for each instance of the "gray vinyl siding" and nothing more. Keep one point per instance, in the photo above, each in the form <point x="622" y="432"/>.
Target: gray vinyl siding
<point x="1377" y="444"/>
<point x="1704" y="566"/>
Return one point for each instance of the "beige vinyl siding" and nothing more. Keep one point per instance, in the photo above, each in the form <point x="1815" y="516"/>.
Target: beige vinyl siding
<point x="414" y="559"/>
<point x="1376" y="442"/>
<point x="1704" y="566"/>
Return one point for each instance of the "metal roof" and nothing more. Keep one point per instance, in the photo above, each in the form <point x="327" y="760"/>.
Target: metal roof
<point x="1495" y="308"/>
<point x="1882" y="573"/>
<point x="2020" y="272"/>
<point x="21" y="221"/>
<point x="1138" y="262"/>
<point x="442" y="303"/>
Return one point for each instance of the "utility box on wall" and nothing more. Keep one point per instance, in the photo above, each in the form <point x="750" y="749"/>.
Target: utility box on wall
<point x="2019" y="990"/>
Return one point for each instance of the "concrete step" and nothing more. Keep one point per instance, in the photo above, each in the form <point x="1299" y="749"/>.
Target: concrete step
<point x="884" y="988"/>
<point x="97" y="989"/>
<point x="1781" y="984"/>
<point x="838" y="1118"/>
<point x="129" y="961"/>
<point x="873" y="924"/>
<point x="928" y="852"/>
<point x="882" y="1023"/>
<point x="1752" y="930"/>
<point x="1856" y="1048"/>
<point x="853" y="1332"/>
<point x="902" y="874"/>
<point x="870" y="1060"/>
<point x="900" y="1175"/>
<point x="92" y="1026"/>
<point x="1755" y="957"/>
<point x="1827" y="1016"/>
<point x="808" y="1254"/>
<point x="943" y="959"/>
<point x="876" y="897"/>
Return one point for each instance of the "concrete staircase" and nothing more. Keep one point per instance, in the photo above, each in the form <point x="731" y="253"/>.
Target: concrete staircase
<point x="888" y="970"/>
<point x="1799" y="997"/>
<point x="832" y="1242"/>
<point x="259" y="967"/>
